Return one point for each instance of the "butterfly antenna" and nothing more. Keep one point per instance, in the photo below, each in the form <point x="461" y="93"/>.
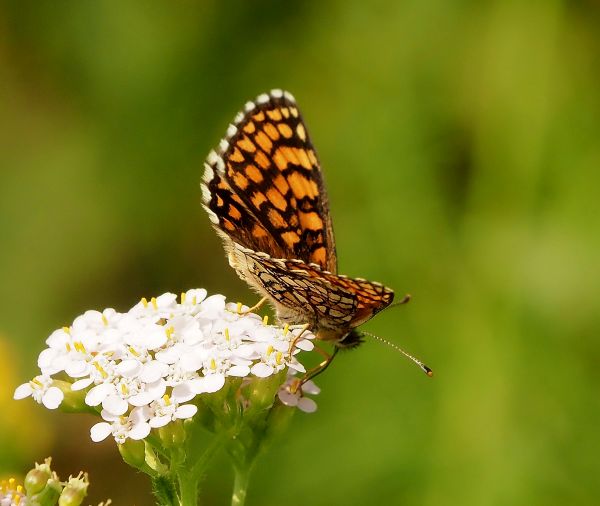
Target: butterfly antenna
<point x="423" y="367"/>
<point x="402" y="301"/>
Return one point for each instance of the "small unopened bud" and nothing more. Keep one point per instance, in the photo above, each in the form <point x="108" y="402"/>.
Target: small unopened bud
<point x="49" y="494"/>
<point x="36" y="479"/>
<point x="261" y="392"/>
<point x="75" y="491"/>
<point x="133" y="452"/>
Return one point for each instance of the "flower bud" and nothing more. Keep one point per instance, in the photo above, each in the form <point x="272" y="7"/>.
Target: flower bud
<point x="133" y="452"/>
<point x="261" y="392"/>
<point x="75" y="491"/>
<point x="36" y="479"/>
<point x="49" y="494"/>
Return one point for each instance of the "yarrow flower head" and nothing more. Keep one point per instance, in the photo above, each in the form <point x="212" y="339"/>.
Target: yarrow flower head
<point x="156" y="364"/>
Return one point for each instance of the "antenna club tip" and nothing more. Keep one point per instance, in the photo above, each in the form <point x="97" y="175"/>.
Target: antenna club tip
<point x="428" y="371"/>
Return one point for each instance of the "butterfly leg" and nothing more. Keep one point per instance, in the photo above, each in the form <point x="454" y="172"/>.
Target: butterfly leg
<point x="252" y="309"/>
<point x="297" y="339"/>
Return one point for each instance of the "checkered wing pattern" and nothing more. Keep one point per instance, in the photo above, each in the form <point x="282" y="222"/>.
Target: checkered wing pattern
<point x="331" y="300"/>
<point x="264" y="193"/>
<point x="264" y="188"/>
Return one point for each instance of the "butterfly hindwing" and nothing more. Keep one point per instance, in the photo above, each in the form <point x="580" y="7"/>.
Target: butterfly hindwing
<point x="335" y="301"/>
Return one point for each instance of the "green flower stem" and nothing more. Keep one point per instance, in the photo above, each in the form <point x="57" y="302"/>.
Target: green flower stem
<point x="188" y="489"/>
<point x="240" y="486"/>
<point x="200" y="465"/>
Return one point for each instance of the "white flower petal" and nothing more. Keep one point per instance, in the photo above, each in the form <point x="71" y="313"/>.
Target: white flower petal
<point x="100" y="431"/>
<point x="311" y="388"/>
<point x="186" y="411"/>
<point x="262" y="370"/>
<point x="22" y="391"/>
<point x="182" y="393"/>
<point x="129" y="368"/>
<point x="305" y="345"/>
<point x="53" y="397"/>
<point x="239" y="370"/>
<point x="139" y="431"/>
<point x="287" y="398"/>
<point x="296" y="366"/>
<point x="213" y="382"/>
<point x="115" y="405"/>
<point x="140" y="414"/>
<point x="98" y="393"/>
<point x="307" y="405"/>
<point x="212" y="306"/>
<point x="159" y="421"/>
<point x="153" y="371"/>
<point x="81" y="384"/>
<point x="195" y="296"/>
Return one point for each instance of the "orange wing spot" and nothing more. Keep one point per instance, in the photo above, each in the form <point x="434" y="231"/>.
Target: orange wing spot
<point x="228" y="225"/>
<point x="236" y="156"/>
<point x="263" y="141"/>
<point x="310" y="221"/>
<point x="261" y="159"/>
<point x="303" y="158"/>
<point x="275" y="114"/>
<point x="219" y="201"/>
<point x="240" y="180"/>
<point x="294" y="112"/>
<point x="234" y="212"/>
<point x="237" y="199"/>
<point x="290" y="238"/>
<point x="280" y="160"/>
<point x="276" y="219"/>
<point x="301" y="186"/>
<point x="271" y="131"/>
<point x="249" y="128"/>
<point x="294" y="219"/>
<point x="259" y="116"/>
<point x="253" y="173"/>
<point x="285" y="130"/>
<point x="286" y="112"/>
<point x="281" y="184"/>
<point x="319" y="255"/>
<point x="276" y="199"/>
<point x="290" y="154"/>
<point x="313" y="158"/>
<point x="258" y="198"/>
<point x="258" y="231"/>
<point x="301" y="131"/>
<point x="246" y="144"/>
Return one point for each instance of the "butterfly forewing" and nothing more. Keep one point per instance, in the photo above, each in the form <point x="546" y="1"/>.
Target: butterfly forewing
<point x="266" y="179"/>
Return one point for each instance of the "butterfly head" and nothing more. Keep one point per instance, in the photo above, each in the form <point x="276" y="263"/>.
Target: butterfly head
<point x="351" y="340"/>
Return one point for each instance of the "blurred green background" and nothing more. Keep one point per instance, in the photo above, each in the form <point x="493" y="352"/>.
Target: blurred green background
<point x="460" y="144"/>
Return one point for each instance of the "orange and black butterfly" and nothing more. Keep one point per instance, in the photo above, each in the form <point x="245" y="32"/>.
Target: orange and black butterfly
<point x="264" y="193"/>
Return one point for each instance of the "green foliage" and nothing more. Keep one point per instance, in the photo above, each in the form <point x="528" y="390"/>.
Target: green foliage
<point x="459" y="142"/>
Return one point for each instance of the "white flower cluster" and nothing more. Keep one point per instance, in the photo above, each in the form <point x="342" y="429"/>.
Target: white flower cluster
<point x="143" y="367"/>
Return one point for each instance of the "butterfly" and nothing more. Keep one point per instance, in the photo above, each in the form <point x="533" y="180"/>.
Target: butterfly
<point x="264" y="193"/>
